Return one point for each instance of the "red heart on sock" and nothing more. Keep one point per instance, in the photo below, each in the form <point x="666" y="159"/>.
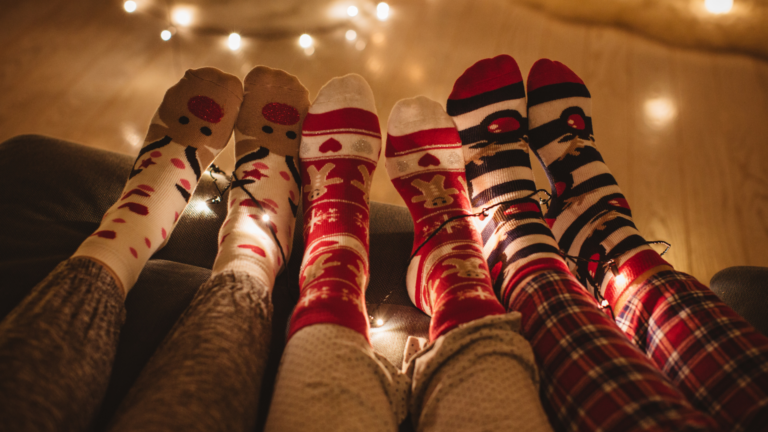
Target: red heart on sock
<point x="429" y="160"/>
<point x="330" y="146"/>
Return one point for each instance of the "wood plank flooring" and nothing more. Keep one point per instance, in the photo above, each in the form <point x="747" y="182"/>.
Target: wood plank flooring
<point x="88" y="72"/>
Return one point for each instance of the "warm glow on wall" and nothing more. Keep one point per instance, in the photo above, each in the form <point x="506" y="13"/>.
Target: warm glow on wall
<point x="659" y="112"/>
<point x="718" y="6"/>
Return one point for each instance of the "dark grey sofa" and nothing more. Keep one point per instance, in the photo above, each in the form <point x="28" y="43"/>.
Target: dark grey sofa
<point x="53" y="194"/>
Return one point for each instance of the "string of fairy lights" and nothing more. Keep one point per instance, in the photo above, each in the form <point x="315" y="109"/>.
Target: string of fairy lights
<point x="182" y="16"/>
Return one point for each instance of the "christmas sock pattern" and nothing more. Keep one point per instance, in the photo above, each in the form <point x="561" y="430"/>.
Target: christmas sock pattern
<point x="593" y="377"/>
<point x="717" y="359"/>
<point x="588" y="213"/>
<point x="266" y="170"/>
<point x="192" y="125"/>
<point x="448" y="277"/>
<point x="488" y="106"/>
<point x="341" y="143"/>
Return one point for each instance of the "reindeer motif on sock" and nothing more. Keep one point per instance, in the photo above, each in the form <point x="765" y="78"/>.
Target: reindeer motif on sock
<point x="320" y="181"/>
<point x="469" y="268"/>
<point x="365" y="186"/>
<point x="433" y="194"/>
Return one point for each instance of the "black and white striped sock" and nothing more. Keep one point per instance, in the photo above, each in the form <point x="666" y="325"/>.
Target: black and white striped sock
<point x="588" y="213"/>
<point x="488" y="106"/>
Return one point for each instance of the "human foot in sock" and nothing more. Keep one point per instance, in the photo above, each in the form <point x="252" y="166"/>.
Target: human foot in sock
<point x="448" y="277"/>
<point x="191" y="126"/>
<point x="588" y="213"/>
<point x="488" y="106"/>
<point x="341" y="143"/>
<point x="266" y="169"/>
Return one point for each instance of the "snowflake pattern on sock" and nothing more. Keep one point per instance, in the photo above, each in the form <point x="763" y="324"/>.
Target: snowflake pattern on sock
<point x="341" y="143"/>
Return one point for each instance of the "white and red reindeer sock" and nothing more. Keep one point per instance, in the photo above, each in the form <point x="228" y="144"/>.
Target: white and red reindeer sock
<point x="488" y="106"/>
<point x="448" y="277"/>
<point x="588" y="213"/>
<point x="341" y="143"/>
<point x="266" y="170"/>
<point x="191" y="126"/>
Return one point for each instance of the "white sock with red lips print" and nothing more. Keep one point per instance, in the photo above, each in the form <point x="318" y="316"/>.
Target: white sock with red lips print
<point x="341" y="143"/>
<point x="589" y="215"/>
<point x="448" y="277"/>
<point x="192" y="125"/>
<point x="266" y="170"/>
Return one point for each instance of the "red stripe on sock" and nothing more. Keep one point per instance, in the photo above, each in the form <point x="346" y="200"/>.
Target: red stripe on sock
<point x="422" y="140"/>
<point x="345" y="118"/>
<point x="486" y="75"/>
<point x="546" y="72"/>
<point x="632" y="268"/>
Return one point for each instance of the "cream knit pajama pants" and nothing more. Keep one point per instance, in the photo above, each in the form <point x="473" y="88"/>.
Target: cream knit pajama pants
<point x="478" y="377"/>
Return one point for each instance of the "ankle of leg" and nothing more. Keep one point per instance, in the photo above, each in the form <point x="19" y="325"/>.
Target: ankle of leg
<point x="528" y="270"/>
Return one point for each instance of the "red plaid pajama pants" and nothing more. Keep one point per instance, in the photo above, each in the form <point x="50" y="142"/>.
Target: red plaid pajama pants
<point x="592" y="377"/>
<point x="710" y="353"/>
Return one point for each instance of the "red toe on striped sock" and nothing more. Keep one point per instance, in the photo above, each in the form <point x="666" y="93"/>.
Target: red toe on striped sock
<point x="486" y="75"/>
<point x="547" y="72"/>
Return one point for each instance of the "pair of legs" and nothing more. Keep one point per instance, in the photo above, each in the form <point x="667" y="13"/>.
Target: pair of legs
<point x="58" y="345"/>
<point x="692" y="363"/>
<point x="330" y="378"/>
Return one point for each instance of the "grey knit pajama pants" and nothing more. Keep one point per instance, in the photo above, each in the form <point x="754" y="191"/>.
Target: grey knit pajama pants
<point x="58" y="345"/>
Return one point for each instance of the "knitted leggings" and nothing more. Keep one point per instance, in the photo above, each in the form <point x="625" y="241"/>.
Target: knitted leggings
<point x="58" y="345"/>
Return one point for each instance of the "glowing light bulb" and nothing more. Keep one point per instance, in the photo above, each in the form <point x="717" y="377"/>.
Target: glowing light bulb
<point x="620" y="280"/>
<point x="604" y="304"/>
<point x="350" y="35"/>
<point x="130" y="6"/>
<point x="234" y="41"/>
<point x="165" y="35"/>
<point x="201" y="206"/>
<point x="182" y="16"/>
<point x="305" y="41"/>
<point x="382" y="11"/>
<point x="352" y="11"/>
<point x="265" y="217"/>
<point x="379" y="322"/>
<point x="718" y="7"/>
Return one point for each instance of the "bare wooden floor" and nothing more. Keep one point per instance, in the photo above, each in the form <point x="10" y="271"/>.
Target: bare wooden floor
<point x="683" y="131"/>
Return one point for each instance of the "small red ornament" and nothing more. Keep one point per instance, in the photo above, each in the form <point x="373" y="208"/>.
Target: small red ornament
<point x="280" y="113"/>
<point x="205" y="108"/>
